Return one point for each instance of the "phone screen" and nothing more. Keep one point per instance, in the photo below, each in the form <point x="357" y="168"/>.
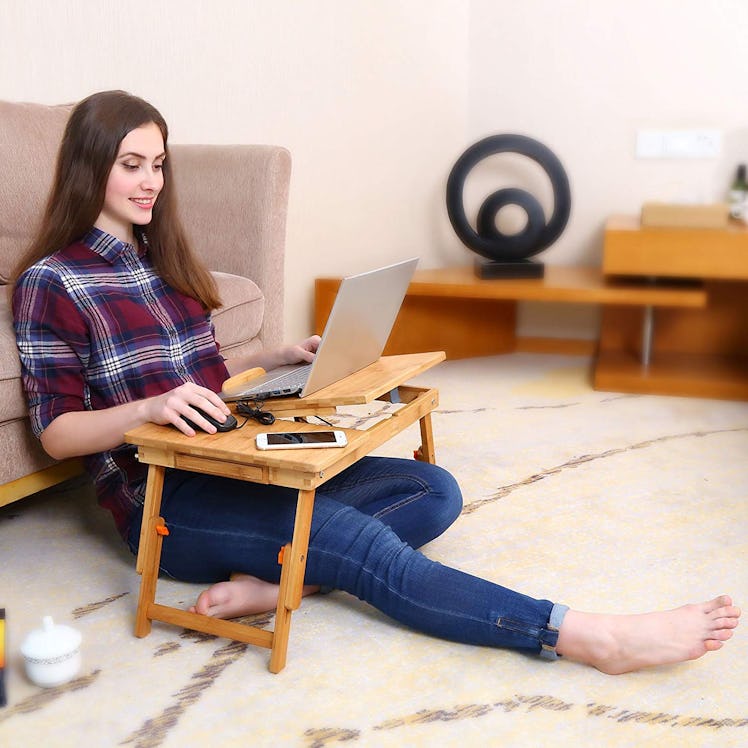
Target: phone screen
<point x="308" y="437"/>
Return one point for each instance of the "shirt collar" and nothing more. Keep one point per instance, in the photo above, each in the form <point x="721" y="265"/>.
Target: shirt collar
<point x="107" y="246"/>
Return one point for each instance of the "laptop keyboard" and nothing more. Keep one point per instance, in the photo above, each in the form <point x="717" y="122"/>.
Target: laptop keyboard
<point x="289" y="382"/>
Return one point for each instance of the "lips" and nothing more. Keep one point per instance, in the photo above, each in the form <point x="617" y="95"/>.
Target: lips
<point x="143" y="202"/>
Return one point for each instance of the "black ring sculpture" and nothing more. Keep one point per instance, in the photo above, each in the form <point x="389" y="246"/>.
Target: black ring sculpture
<point x="488" y="241"/>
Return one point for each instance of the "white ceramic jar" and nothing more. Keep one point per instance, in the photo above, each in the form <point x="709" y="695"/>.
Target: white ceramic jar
<point x="52" y="654"/>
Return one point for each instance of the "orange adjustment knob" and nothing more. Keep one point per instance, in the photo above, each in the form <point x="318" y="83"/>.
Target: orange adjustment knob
<point x="162" y="530"/>
<point x="281" y="553"/>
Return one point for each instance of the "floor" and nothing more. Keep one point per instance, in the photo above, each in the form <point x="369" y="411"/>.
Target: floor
<point x="602" y="501"/>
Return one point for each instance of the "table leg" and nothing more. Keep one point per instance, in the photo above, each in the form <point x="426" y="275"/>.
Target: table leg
<point x="151" y="508"/>
<point x="292" y="579"/>
<point x="647" y="332"/>
<point x="427" y="452"/>
<point x="149" y="550"/>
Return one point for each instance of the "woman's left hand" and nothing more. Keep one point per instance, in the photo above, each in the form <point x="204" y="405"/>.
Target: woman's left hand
<point x="302" y="352"/>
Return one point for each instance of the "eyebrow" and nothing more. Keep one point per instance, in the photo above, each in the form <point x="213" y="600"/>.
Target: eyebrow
<point x="140" y="155"/>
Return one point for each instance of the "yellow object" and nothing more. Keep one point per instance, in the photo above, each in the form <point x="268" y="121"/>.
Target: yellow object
<point x="3" y="695"/>
<point x="239" y="380"/>
<point x="711" y="216"/>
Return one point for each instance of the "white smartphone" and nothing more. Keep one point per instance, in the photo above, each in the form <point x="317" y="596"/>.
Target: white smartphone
<point x="301" y="439"/>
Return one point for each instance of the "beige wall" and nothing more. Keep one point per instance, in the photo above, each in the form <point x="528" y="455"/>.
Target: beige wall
<point x="371" y="99"/>
<point x="376" y="100"/>
<point x="582" y="76"/>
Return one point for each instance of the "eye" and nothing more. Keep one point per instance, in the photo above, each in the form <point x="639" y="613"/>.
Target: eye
<point x="130" y="166"/>
<point x="159" y="166"/>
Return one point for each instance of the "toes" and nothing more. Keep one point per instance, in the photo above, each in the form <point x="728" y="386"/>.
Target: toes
<point x="726" y="613"/>
<point x="725" y="623"/>
<point x="723" y="601"/>
<point x="202" y="606"/>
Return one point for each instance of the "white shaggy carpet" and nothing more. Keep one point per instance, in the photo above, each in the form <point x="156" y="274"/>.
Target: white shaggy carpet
<point x="603" y="501"/>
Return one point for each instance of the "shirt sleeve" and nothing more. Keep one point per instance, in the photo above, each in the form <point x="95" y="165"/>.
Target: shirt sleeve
<point x="53" y="345"/>
<point x="212" y="325"/>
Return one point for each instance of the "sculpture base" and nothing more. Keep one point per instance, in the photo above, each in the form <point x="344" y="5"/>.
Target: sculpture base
<point x="486" y="269"/>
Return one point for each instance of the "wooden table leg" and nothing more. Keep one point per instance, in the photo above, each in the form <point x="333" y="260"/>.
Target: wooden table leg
<point x="149" y="550"/>
<point x="427" y="452"/>
<point x="292" y="579"/>
<point x="151" y="508"/>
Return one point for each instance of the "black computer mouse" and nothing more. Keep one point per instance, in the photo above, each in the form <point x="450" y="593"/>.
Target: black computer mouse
<point x="229" y="424"/>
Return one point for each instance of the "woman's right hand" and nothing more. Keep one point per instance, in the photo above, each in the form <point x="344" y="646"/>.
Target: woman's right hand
<point x="182" y="401"/>
<point x="84" y="432"/>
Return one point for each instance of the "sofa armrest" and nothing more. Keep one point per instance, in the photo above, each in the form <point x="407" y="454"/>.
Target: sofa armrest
<point x="233" y="203"/>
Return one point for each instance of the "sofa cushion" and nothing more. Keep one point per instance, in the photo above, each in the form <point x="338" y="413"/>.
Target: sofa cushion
<point x="12" y="400"/>
<point x="22" y="452"/>
<point x="239" y="319"/>
<point x="30" y="136"/>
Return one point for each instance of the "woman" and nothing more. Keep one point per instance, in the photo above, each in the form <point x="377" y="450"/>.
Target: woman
<point x="112" y="317"/>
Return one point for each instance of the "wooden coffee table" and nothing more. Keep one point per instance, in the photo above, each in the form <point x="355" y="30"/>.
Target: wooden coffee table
<point x="234" y="454"/>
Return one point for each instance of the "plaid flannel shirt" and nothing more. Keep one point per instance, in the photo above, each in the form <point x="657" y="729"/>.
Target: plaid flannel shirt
<point x="97" y="327"/>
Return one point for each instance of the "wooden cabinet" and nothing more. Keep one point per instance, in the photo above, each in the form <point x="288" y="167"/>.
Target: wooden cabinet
<point x="453" y="310"/>
<point x="713" y="254"/>
<point x="698" y="352"/>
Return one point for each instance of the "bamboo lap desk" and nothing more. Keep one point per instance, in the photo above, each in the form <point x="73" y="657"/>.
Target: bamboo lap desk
<point x="234" y="454"/>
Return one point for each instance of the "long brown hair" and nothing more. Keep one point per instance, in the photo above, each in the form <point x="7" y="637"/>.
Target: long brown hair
<point x="89" y="148"/>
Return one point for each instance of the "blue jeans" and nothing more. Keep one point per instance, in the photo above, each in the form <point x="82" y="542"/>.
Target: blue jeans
<point x="366" y="524"/>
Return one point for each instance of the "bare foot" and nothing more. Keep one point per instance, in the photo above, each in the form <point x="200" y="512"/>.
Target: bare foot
<point x="242" y="595"/>
<point x="618" y="644"/>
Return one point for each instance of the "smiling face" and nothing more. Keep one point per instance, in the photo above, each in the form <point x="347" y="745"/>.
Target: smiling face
<point x="134" y="183"/>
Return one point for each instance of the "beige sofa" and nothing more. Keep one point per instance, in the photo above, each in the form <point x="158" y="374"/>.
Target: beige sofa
<point x="233" y="203"/>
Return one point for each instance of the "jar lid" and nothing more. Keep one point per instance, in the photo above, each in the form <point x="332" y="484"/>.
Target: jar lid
<point x="50" y="641"/>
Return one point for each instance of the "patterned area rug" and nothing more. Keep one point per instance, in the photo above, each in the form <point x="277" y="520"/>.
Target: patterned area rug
<point x="603" y="501"/>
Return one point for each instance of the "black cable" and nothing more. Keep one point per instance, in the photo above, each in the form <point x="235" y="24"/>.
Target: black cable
<point x="253" y="409"/>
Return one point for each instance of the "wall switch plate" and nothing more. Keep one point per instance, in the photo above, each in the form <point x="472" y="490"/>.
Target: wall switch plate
<point x="678" y="143"/>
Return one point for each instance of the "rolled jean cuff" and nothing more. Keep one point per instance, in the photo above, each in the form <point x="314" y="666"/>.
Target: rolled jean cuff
<point x="548" y="645"/>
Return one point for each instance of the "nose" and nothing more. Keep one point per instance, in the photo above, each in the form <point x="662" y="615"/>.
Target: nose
<point x="153" y="179"/>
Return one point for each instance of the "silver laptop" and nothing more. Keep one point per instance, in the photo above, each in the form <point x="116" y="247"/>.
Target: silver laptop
<point x="356" y="332"/>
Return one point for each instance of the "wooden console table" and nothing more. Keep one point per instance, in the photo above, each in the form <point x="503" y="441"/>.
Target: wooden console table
<point x="234" y="454"/>
<point x="674" y="318"/>
<point x="453" y="310"/>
